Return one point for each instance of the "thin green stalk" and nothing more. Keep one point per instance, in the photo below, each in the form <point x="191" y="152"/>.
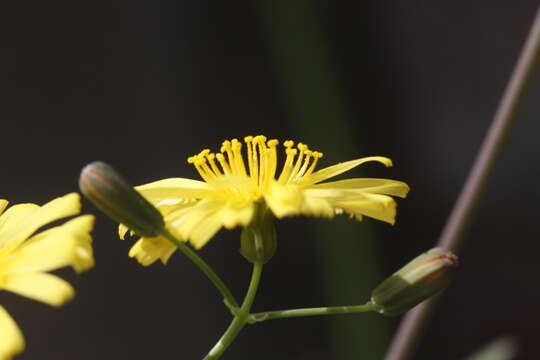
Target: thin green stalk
<point x="410" y="330"/>
<point x="331" y="310"/>
<point x="205" y="268"/>
<point x="241" y="317"/>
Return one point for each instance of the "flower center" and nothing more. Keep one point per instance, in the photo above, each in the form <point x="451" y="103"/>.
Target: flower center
<point x="261" y="162"/>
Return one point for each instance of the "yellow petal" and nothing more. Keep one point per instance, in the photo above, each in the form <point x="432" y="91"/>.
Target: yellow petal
<point x="65" y="245"/>
<point x="209" y="226"/>
<point x="175" y="188"/>
<point x="46" y="288"/>
<point x="236" y="214"/>
<point x="27" y="223"/>
<point x="3" y="204"/>
<point x="83" y="259"/>
<point x="229" y="214"/>
<point x="380" y="207"/>
<point x="79" y="225"/>
<point x="12" y="218"/>
<point x="184" y="222"/>
<point x="12" y="340"/>
<point x="284" y="199"/>
<point x="336" y="194"/>
<point x="318" y="207"/>
<point x="340" y="168"/>
<point x="149" y="250"/>
<point x="174" y="183"/>
<point x="122" y="230"/>
<point x="368" y="185"/>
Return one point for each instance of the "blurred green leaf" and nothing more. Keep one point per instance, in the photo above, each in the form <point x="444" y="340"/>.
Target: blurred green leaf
<point x="314" y="99"/>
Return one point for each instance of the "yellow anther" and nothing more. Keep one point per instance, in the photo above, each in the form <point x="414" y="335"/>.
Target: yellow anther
<point x="316" y="156"/>
<point x="271" y="165"/>
<point x="200" y="165"/>
<point x="261" y="161"/>
<point x="200" y="160"/>
<point x="287" y="167"/>
<point x="273" y="143"/>
<point x="294" y="171"/>
<point x="210" y="157"/>
<point x="223" y="163"/>
<point x="262" y="170"/>
<point x="259" y="138"/>
<point x="225" y="146"/>
<point x="208" y="172"/>
<point x="238" y="159"/>
<point x="302" y="170"/>
<point x="250" y="154"/>
<point x="204" y="152"/>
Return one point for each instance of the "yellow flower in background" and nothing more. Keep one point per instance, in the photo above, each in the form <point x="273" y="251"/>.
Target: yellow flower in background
<point x="233" y="185"/>
<point x="27" y="255"/>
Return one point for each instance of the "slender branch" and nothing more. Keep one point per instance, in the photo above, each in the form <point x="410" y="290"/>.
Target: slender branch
<point x="332" y="310"/>
<point x="229" y="299"/>
<point x="240" y="319"/>
<point x="409" y="332"/>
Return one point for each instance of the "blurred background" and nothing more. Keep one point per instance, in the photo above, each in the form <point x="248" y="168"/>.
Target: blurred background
<point x="143" y="85"/>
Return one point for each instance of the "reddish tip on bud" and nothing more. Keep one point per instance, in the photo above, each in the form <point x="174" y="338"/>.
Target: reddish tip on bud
<point x="111" y="193"/>
<point x="423" y="277"/>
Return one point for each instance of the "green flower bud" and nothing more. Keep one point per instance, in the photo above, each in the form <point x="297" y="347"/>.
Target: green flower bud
<point x="258" y="240"/>
<point x="113" y="195"/>
<point x="423" y="277"/>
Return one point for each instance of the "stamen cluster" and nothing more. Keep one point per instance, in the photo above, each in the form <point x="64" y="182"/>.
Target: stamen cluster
<point x="261" y="159"/>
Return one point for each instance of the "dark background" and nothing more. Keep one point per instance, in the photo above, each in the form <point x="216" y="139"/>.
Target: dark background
<point x="143" y="85"/>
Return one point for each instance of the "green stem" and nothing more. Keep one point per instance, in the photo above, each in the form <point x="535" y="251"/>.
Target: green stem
<point x="331" y="310"/>
<point x="229" y="299"/>
<point x="241" y="317"/>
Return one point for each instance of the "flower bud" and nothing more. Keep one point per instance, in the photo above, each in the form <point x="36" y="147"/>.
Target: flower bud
<point x="113" y="195"/>
<point x="420" y="279"/>
<point x="258" y="240"/>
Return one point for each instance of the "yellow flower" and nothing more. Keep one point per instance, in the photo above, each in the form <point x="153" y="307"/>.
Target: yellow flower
<point x="195" y="210"/>
<point x="26" y="256"/>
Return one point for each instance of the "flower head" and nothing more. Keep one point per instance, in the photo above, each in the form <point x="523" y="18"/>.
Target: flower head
<point x="26" y="256"/>
<point x="235" y="180"/>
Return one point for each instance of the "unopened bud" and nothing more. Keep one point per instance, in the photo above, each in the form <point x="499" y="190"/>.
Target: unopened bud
<point x="112" y="194"/>
<point x="423" y="277"/>
<point x="258" y="240"/>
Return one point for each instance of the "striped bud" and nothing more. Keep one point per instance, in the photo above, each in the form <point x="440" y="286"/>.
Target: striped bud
<point x="112" y="194"/>
<point x="423" y="277"/>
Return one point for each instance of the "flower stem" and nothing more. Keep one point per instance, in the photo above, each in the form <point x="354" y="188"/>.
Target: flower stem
<point x="410" y="329"/>
<point x="240" y="318"/>
<point x="331" y="310"/>
<point x="205" y="268"/>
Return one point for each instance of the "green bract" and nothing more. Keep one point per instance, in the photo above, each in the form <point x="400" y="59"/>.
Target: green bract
<point x="258" y="241"/>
